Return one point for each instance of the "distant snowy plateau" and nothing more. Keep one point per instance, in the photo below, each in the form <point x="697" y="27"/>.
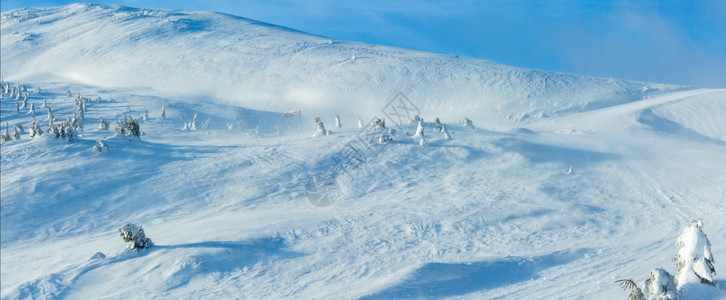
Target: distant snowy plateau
<point x="558" y="186"/>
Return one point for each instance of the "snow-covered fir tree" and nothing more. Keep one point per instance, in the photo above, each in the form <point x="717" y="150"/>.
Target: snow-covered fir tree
<point x="135" y="237"/>
<point x="133" y="128"/>
<point x="100" y="146"/>
<point x="35" y="130"/>
<point x="102" y="124"/>
<point x="468" y="123"/>
<point x="51" y="118"/>
<point x="660" y="286"/>
<point x="419" y="130"/>
<point x="438" y="125"/>
<point x="5" y="137"/>
<point x="447" y="136"/>
<point x="694" y="259"/>
<point x="18" y="131"/>
<point x="337" y="121"/>
<point x="195" y="122"/>
<point x="360" y="123"/>
<point x="320" y="128"/>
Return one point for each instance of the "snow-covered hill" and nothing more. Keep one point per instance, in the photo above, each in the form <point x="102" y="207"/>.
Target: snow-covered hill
<point x="567" y="184"/>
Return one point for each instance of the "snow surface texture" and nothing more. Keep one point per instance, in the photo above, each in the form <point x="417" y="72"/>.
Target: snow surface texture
<point x="568" y="183"/>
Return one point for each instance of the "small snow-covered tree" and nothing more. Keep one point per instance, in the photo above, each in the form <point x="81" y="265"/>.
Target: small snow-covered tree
<point x="100" y="145"/>
<point x="380" y="122"/>
<point x="102" y="124"/>
<point x="6" y="134"/>
<point x="447" y="136"/>
<point x="35" y="130"/>
<point x="51" y="118"/>
<point x="419" y="130"/>
<point x="18" y="131"/>
<point x="163" y="112"/>
<point x="133" y="128"/>
<point x="438" y="125"/>
<point x="320" y="128"/>
<point x="694" y="258"/>
<point x="135" y="237"/>
<point x="360" y="123"/>
<point x="337" y="121"/>
<point x="468" y="123"/>
<point x="195" y="122"/>
<point x="660" y="286"/>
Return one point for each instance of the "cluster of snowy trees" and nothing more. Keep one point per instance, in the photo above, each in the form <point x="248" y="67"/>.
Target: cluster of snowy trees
<point x="388" y="134"/>
<point x="695" y="270"/>
<point x="67" y="128"/>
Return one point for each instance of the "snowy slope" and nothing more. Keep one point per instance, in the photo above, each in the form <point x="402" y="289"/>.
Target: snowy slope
<point x="569" y="183"/>
<point x="243" y="62"/>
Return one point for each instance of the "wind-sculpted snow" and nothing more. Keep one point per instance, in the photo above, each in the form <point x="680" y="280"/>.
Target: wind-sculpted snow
<point x="557" y="185"/>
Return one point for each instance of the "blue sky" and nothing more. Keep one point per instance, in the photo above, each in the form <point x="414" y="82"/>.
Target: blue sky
<point x="669" y="41"/>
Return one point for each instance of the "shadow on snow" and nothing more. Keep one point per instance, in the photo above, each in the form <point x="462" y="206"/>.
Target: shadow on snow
<point x="436" y="280"/>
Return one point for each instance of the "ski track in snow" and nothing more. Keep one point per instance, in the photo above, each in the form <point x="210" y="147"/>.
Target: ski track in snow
<point x="568" y="184"/>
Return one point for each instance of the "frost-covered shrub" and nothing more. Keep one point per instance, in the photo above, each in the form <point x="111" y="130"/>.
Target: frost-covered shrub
<point x="380" y="122"/>
<point x="694" y="258"/>
<point x="135" y="237"/>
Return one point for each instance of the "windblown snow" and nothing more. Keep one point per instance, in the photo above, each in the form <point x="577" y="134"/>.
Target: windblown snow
<point x="561" y="185"/>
